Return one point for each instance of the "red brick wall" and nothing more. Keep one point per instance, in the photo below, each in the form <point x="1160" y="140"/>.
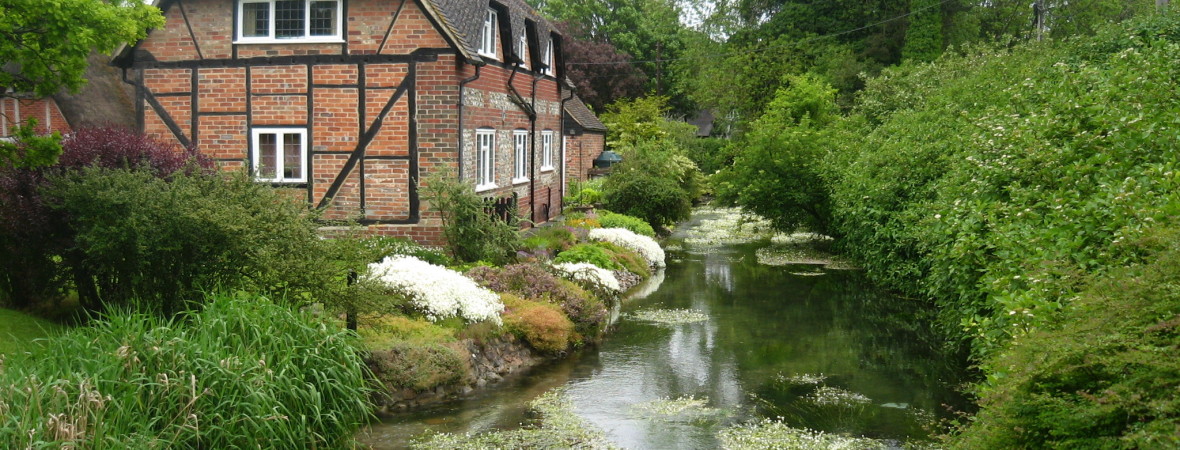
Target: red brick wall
<point x="580" y="152"/>
<point x="16" y="111"/>
<point x="230" y="99"/>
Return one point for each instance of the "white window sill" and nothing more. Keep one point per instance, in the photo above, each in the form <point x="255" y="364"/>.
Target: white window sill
<point x="520" y="180"/>
<point x="279" y="181"/>
<point x="546" y="168"/>
<point x="314" y="40"/>
<point x="485" y="187"/>
<point x="488" y="55"/>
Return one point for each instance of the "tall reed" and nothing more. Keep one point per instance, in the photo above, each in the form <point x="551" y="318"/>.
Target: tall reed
<point x="242" y="372"/>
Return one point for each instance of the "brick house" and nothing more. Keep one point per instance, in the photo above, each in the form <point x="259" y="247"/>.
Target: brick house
<point x="352" y="103"/>
<point x="17" y="109"/>
<point x="585" y="137"/>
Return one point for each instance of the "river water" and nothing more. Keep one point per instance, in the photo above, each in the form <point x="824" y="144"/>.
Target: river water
<point x="818" y="347"/>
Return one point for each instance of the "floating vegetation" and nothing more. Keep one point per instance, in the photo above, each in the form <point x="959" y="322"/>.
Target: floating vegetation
<point x="557" y="427"/>
<point x="732" y="226"/>
<point x="687" y="408"/>
<point x="833" y="396"/>
<point x="807" y="274"/>
<point x="669" y="316"/>
<point x="802" y="378"/>
<point x="774" y="434"/>
<point x="802" y="238"/>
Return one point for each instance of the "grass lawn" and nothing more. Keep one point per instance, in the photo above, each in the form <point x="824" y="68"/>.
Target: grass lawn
<point x="18" y="330"/>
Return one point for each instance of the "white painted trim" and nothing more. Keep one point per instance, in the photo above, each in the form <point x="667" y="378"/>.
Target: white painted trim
<point x="547" y="150"/>
<point x="255" y="155"/>
<point x="338" y="38"/>
<point x="485" y="168"/>
<point x="491" y="18"/>
<point x="520" y="156"/>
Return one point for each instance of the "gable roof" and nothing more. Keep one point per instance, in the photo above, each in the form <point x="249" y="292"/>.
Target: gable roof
<point x="581" y="114"/>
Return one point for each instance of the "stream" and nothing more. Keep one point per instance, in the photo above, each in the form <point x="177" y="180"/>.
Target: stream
<point x="812" y="344"/>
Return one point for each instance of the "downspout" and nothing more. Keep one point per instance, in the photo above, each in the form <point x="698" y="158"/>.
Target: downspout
<point x="533" y="156"/>
<point x="463" y="83"/>
<point x="561" y="130"/>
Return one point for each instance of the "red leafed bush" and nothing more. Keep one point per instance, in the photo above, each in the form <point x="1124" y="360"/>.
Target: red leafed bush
<point x="120" y="148"/>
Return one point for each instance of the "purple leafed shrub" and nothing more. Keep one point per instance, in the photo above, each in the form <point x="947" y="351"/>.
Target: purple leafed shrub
<point x="32" y="234"/>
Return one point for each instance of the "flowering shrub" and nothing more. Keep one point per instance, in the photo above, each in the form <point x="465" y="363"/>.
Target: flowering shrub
<point x="542" y="325"/>
<point x="436" y="291"/>
<point x="593" y="277"/>
<point x="645" y="246"/>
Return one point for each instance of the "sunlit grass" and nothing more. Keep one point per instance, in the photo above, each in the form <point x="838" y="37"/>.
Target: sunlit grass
<point x="20" y="332"/>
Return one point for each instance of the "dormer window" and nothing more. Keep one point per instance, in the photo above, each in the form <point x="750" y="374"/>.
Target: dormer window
<point x="547" y="58"/>
<point x="487" y="41"/>
<point x="522" y="51"/>
<point x="270" y="21"/>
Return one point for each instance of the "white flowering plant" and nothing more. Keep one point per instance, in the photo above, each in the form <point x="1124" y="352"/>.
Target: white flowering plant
<point x="643" y="245"/>
<point x="590" y="276"/>
<point x="436" y="291"/>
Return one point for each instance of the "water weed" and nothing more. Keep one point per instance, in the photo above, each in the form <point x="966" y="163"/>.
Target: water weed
<point x="669" y="316"/>
<point x="774" y="434"/>
<point x="684" y="409"/>
<point x="555" y="426"/>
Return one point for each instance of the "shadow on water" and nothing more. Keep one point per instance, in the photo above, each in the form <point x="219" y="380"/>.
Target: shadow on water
<point x="772" y="331"/>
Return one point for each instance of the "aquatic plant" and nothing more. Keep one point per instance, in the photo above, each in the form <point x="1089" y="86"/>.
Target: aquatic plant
<point x="731" y="226"/>
<point x="833" y="396"/>
<point x="802" y="378"/>
<point x="669" y="316"/>
<point x="645" y="246"/>
<point x="436" y="291"/>
<point x="774" y="434"/>
<point x="685" y="408"/>
<point x="556" y="426"/>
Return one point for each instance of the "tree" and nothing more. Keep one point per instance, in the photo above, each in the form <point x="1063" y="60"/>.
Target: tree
<point x="603" y="74"/>
<point x="45" y="42"/>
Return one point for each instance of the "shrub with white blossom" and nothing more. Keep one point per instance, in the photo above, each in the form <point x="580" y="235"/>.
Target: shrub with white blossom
<point x="436" y="291"/>
<point x="590" y="276"/>
<point x="645" y="246"/>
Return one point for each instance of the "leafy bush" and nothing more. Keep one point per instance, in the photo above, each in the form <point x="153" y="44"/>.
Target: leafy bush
<point x="652" y="183"/>
<point x="160" y="243"/>
<point x="627" y="259"/>
<point x="384" y="246"/>
<point x="1103" y="374"/>
<point x="594" y="278"/>
<point x="615" y="220"/>
<point x="379" y="332"/>
<point x="542" y="325"/>
<point x="533" y="282"/>
<point x="588" y="253"/>
<point x="34" y="237"/>
<point x="472" y="233"/>
<point x="242" y="372"/>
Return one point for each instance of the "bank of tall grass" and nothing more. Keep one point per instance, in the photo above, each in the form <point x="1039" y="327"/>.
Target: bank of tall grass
<point x="21" y="332"/>
<point x="241" y="372"/>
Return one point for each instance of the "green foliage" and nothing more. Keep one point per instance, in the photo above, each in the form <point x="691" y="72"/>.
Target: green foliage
<point x="533" y="282"/>
<point x="655" y="183"/>
<point x="615" y="220"/>
<point x="1102" y="374"/>
<point x="472" y="233"/>
<point x="923" y="36"/>
<point x="49" y="40"/>
<point x="779" y="172"/>
<point x="626" y="259"/>
<point x="590" y="252"/>
<point x="27" y="150"/>
<point x="555" y="425"/>
<point x="418" y="366"/>
<point x="551" y="239"/>
<point x="630" y="122"/>
<point x="241" y="372"/>
<point x="159" y="243"/>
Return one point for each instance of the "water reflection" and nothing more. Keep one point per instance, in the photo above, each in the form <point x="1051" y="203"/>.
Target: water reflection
<point x="765" y="325"/>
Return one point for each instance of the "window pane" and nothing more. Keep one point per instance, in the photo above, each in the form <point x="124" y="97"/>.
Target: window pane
<point x="289" y="18"/>
<point x="256" y="20"/>
<point x="323" y="18"/>
<point x="292" y="156"/>
<point x="266" y="156"/>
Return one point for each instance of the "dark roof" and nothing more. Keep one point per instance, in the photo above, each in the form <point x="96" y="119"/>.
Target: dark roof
<point x="704" y="123"/>
<point x="463" y="19"/>
<point x="104" y="100"/>
<point x="577" y="110"/>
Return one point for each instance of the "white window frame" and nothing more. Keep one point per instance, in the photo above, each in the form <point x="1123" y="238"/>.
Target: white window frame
<point x="548" y="58"/>
<point x="520" y="156"/>
<point x="270" y="38"/>
<point x="485" y="159"/>
<point x="547" y="150"/>
<point x="280" y="160"/>
<point x="487" y="35"/>
<point x="522" y="50"/>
